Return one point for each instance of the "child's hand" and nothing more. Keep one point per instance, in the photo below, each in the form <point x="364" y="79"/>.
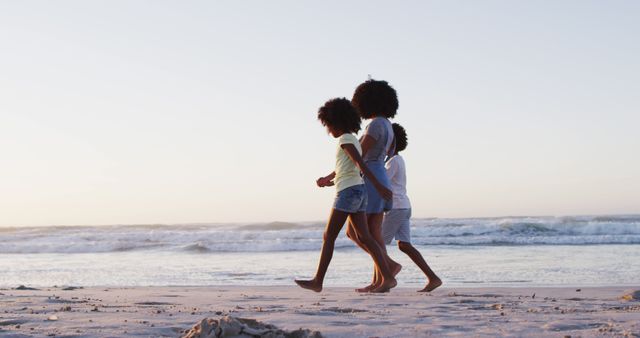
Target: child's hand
<point x="384" y="192"/>
<point x="324" y="182"/>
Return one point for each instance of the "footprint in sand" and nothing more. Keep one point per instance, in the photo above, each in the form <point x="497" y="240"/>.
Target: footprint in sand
<point x="154" y="303"/>
<point x="343" y="310"/>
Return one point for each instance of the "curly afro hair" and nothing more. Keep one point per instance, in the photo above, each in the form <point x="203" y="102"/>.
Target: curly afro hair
<point x="401" y="137"/>
<point x="373" y="98"/>
<point x="338" y="113"/>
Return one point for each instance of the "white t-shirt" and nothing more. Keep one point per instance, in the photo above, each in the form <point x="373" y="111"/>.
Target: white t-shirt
<point x="347" y="173"/>
<point x="398" y="178"/>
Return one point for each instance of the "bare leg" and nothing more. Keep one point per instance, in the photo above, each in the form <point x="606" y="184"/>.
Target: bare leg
<point x="375" y="227"/>
<point x="387" y="281"/>
<point x="374" y="222"/>
<point x="353" y="235"/>
<point x="433" y="280"/>
<point x="334" y="225"/>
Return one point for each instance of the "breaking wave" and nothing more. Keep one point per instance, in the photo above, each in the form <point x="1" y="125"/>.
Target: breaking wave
<point x="282" y="236"/>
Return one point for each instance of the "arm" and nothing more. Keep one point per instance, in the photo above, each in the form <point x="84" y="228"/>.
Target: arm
<point x="372" y="134"/>
<point x="392" y="168"/>
<point x="351" y="150"/>
<point x="367" y="142"/>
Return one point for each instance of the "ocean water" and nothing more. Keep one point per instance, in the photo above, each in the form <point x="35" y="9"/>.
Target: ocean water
<point x="505" y="251"/>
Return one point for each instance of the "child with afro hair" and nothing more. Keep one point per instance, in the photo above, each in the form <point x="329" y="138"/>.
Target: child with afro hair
<point x="342" y="121"/>
<point x="397" y="221"/>
<point x="376" y="101"/>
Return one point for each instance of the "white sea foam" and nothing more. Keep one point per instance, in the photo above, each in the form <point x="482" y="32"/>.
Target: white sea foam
<point x="280" y="236"/>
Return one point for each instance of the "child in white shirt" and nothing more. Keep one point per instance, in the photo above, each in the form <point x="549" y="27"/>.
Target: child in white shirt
<point x="396" y="221"/>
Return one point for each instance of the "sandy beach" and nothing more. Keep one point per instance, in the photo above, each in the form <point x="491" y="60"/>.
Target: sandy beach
<point x="335" y="312"/>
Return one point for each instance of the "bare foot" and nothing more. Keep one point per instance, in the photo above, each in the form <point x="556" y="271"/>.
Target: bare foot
<point x="367" y="288"/>
<point x="432" y="285"/>
<point x="395" y="269"/>
<point x="386" y="286"/>
<point x="309" y="285"/>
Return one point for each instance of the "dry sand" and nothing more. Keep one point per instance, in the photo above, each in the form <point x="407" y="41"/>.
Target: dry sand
<point x="336" y="312"/>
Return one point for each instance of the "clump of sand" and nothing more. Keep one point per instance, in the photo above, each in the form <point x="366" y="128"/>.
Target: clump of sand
<point x="228" y="326"/>
<point x="633" y="295"/>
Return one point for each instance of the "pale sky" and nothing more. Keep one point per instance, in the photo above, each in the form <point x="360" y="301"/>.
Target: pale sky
<point x="121" y="112"/>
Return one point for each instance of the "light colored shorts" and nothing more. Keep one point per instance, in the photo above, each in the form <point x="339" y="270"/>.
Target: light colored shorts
<point x="397" y="224"/>
<point x="352" y="199"/>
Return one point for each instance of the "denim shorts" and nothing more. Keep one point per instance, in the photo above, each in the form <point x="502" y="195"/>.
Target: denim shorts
<point x="376" y="204"/>
<point x="352" y="199"/>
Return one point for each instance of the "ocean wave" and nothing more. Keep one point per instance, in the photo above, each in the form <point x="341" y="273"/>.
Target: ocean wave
<point x="283" y="236"/>
<point x="196" y="247"/>
<point x="271" y="226"/>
